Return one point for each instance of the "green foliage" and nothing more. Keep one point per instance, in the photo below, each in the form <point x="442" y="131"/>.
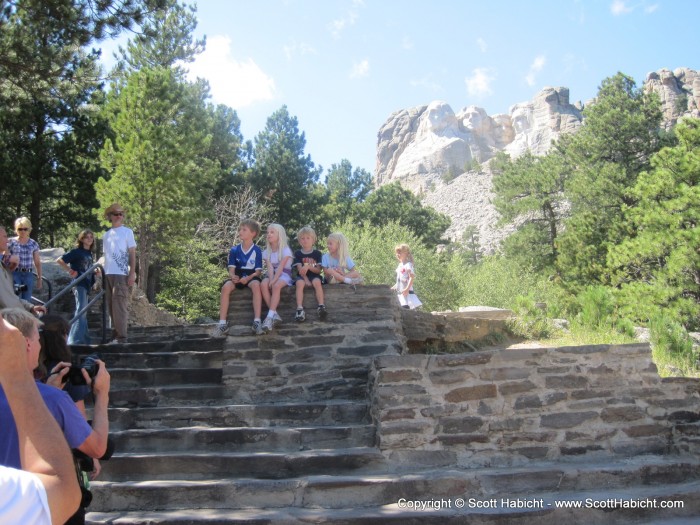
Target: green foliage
<point x="392" y="203"/>
<point x="191" y="282"/>
<point x="530" y="321"/>
<point x="50" y="130"/>
<point x="284" y="174"/>
<point x="530" y="192"/>
<point x="496" y="281"/>
<point x="470" y="246"/>
<point x="155" y="160"/>
<point x="346" y="189"/>
<point x="602" y="161"/>
<point x="672" y="348"/>
<point x="659" y="267"/>
<point x="372" y="249"/>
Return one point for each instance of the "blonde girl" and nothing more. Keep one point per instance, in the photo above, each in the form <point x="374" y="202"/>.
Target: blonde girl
<point x="278" y="260"/>
<point x="27" y="250"/>
<point x="405" y="276"/>
<point x="338" y="266"/>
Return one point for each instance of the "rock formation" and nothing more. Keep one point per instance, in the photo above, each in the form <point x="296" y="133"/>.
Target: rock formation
<point x="441" y="155"/>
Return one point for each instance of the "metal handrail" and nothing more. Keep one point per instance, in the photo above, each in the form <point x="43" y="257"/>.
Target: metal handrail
<point x="100" y="294"/>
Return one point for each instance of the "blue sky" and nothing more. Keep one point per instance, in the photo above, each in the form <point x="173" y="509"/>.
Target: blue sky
<point x="343" y="66"/>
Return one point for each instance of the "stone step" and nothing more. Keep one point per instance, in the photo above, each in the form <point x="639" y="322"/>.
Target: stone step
<point x="200" y="344"/>
<point x="250" y="439"/>
<point x="176" y="396"/>
<point x="271" y="415"/>
<point x="549" y="515"/>
<point x="637" y="479"/>
<point x="264" y="465"/>
<point x="160" y="359"/>
<point x="127" y="378"/>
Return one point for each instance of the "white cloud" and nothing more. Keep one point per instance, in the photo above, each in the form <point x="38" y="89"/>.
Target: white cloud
<point x="337" y="26"/>
<point x="535" y="68"/>
<point x="651" y="8"/>
<point x="360" y="69"/>
<point x="298" y="48"/>
<point x="425" y="82"/>
<point x="480" y="82"/>
<point x="620" y="7"/>
<point x="482" y="44"/>
<point x="236" y="83"/>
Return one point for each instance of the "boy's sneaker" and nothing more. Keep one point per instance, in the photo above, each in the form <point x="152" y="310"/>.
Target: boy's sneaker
<point x="268" y="324"/>
<point x="221" y="330"/>
<point x="356" y="280"/>
<point x="257" y="328"/>
<point x="300" y="315"/>
<point x="322" y="313"/>
<point x="276" y="318"/>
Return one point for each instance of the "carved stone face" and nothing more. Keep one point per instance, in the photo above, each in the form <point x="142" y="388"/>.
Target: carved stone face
<point x="521" y="119"/>
<point x="472" y="119"/>
<point x="438" y="117"/>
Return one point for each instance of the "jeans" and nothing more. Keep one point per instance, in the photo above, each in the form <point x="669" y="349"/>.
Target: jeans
<point x="79" y="329"/>
<point x="26" y="278"/>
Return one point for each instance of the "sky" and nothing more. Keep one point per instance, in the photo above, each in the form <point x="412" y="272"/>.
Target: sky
<point x="342" y="67"/>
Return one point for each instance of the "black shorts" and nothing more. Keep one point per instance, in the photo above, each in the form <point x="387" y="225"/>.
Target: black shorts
<point x="240" y="286"/>
<point x="310" y="276"/>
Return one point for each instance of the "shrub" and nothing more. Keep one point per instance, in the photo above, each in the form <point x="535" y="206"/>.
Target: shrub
<point x="672" y="347"/>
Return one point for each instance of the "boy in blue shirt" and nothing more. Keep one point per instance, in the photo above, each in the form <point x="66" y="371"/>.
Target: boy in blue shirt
<point x="244" y="269"/>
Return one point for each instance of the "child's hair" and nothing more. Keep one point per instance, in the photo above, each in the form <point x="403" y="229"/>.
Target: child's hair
<point x="343" y="249"/>
<point x="405" y="248"/>
<point x="53" y="338"/>
<point x="81" y="236"/>
<point x="252" y="225"/>
<point x="282" y="244"/>
<point x="307" y="230"/>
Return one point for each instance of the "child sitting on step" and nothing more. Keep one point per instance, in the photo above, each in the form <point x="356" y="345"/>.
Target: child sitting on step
<point x="338" y="266"/>
<point x="278" y="261"/>
<point x="244" y="268"/>
<point x="307" y="261"/>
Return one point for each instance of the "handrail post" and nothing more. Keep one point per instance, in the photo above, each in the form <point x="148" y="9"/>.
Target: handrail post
<point x="100" y="294"/>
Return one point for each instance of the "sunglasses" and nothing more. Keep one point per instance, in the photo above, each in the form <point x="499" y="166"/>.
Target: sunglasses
<point x="22" y="229"/>
<point x="117" y="214"/>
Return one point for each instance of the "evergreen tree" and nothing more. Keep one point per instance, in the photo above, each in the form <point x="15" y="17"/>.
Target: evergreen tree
<point x="284" y="174"/>
<point x="659" y="267"/>
<point x="392" y="203"/>
<point x="346" y="189"/>
<point x="530" y="193"/>
<point x="603" y="160"/>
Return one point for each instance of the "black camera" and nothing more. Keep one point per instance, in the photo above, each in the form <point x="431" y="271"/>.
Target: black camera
<point x="89" y="363"/>
<point x="19" y="288"/>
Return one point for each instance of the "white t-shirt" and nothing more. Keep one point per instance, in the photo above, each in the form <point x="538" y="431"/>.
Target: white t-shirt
<point x="117" y="242"/>
<point x="403" y="275"/>
<point x="22" y="498"/>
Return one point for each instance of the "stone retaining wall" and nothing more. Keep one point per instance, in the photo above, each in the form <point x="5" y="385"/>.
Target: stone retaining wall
<point x="509" y="407"/>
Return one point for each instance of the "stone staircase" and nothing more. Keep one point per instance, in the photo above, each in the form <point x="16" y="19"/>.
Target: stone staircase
<point x="278" y="429"/>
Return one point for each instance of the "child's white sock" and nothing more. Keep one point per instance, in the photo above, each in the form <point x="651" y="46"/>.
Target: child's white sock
<point x="257" y="319"/>
<point x="271" y="313"/>
<point x="347" y="280"/>
<point x="222" y="322"/>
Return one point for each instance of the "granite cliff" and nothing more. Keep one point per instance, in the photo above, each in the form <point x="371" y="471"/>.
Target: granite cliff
<point x="442" y="155"/>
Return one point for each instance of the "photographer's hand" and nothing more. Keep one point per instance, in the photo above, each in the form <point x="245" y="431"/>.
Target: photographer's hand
<point x="95" y="445"/>
<point x="57" y="376"/>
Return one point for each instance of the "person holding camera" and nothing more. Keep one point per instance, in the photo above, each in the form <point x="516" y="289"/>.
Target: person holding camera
<point x="45" y="490"/>
<point x="92" y="441"/>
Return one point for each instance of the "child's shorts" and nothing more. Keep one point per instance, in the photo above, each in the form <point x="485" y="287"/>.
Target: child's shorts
<point x="240" y="286"/>
<point x="311" y="276"/>
<point x="285" y="278"/>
